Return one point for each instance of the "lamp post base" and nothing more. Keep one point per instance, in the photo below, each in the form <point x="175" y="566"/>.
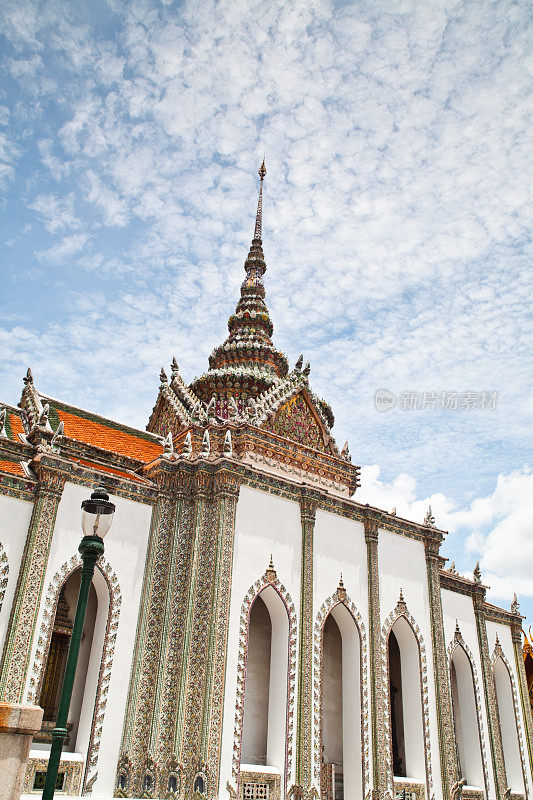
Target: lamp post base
<point x="18" y="725"/>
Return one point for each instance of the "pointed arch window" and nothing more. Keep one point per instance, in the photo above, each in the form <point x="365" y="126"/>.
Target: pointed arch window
<point x="54" y="669"/>
<point x="406" y="715"/>
<point x="265" y="694"/>
<point x="508" y="726"/>
<point x="466" y="718"/>
<point x="341" y="706"/>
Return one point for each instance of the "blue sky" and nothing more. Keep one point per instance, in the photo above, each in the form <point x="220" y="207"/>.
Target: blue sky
<point x="397" y="221"/>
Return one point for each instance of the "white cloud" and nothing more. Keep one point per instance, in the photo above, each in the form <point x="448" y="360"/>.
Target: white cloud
<point x="495" y="529"/>
<point x="56" y="213"/>
<point x="396" y="216"/>
<point x="67" y="247"/>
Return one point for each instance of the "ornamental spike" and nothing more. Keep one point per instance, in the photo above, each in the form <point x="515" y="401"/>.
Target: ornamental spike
<point x="59" y="432"/>
<point x="187" y="445"/>
<point x="228" y="446"/>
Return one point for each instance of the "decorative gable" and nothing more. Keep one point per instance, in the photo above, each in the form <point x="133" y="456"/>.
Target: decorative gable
<point x="297" y="420"/>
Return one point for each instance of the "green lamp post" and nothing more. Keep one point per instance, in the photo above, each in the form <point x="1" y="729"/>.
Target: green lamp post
<point x="96" y="518"/>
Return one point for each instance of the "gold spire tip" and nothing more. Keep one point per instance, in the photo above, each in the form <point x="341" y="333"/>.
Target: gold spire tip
<point x="262" y="170"/>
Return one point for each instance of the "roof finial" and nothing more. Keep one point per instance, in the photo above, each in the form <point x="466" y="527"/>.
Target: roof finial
<point x="259" y="218"/>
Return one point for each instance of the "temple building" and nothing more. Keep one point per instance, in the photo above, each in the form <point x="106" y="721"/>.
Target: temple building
<point x="253" y="631"/>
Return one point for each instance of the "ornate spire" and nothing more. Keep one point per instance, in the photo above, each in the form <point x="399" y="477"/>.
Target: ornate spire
<point x="259" y="216"/>
<point x="247" y="363"/>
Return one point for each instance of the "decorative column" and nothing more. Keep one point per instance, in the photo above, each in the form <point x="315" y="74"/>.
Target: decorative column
<point x="195" y="675"/>
<point x="496" y="747"/>
<point x="168" y="667"/>
<point x="379" y="761"/>
<point x="25" y="609"/>
<point x="194" y="652"/>
<point x="226" y="485"/>
<point x="516" y="635"/>
<point x="447" y="750"/>
<point x="304" y="744"/>
<point x="136" y="763"/>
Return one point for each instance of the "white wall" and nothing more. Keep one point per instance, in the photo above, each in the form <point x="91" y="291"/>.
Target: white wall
<point x="265" y="524"/>
<point x="125" y="551"/>
<point x="15" y="518"/>
<point x="339" y="546"/>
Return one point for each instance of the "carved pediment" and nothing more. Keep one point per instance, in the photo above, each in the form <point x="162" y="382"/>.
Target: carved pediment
<point x="297" y="419"/>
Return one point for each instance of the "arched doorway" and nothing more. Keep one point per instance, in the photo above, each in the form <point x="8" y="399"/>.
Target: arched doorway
<point x="341" y="707"/>
<point x="265" y="696"/>
<point x="466" y="718"/>
<point x="405" y="707"/>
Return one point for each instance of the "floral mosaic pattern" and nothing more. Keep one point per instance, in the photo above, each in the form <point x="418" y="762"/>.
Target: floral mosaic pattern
<point x="296" y="421"/>
<point x="4" y="574"/>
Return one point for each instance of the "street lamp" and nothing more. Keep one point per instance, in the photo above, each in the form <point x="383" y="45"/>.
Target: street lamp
<point x="96" y="518"/>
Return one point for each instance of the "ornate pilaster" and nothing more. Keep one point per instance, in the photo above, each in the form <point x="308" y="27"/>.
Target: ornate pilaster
<point x="516" y="635"/>
<point x="25" y="609"/>
<point x="308" y="506"/>
<point x="225" y="494"/>
<point x="159" y="742"/>
<point x="379" y="756"/>
<point x="447" y="750"/>
<point x="194" y="658"/>
<point x="496" y="747"/>
<point x="144" y="683"/>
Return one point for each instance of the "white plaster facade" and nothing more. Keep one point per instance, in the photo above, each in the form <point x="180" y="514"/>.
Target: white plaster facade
<point x="238" y="491"/>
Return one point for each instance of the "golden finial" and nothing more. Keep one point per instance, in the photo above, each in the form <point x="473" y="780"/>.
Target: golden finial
<point x="262" y="170"/>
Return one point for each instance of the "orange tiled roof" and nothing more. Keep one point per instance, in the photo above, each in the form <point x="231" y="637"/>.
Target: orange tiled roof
<point x="13" y="468"/>
<point x="111" y="470"/>
<point x="115" y="440"/>
<point x="14" y="426"/>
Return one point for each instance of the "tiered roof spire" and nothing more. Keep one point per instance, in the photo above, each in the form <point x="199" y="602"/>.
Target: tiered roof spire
<point x="247" y="363"/>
